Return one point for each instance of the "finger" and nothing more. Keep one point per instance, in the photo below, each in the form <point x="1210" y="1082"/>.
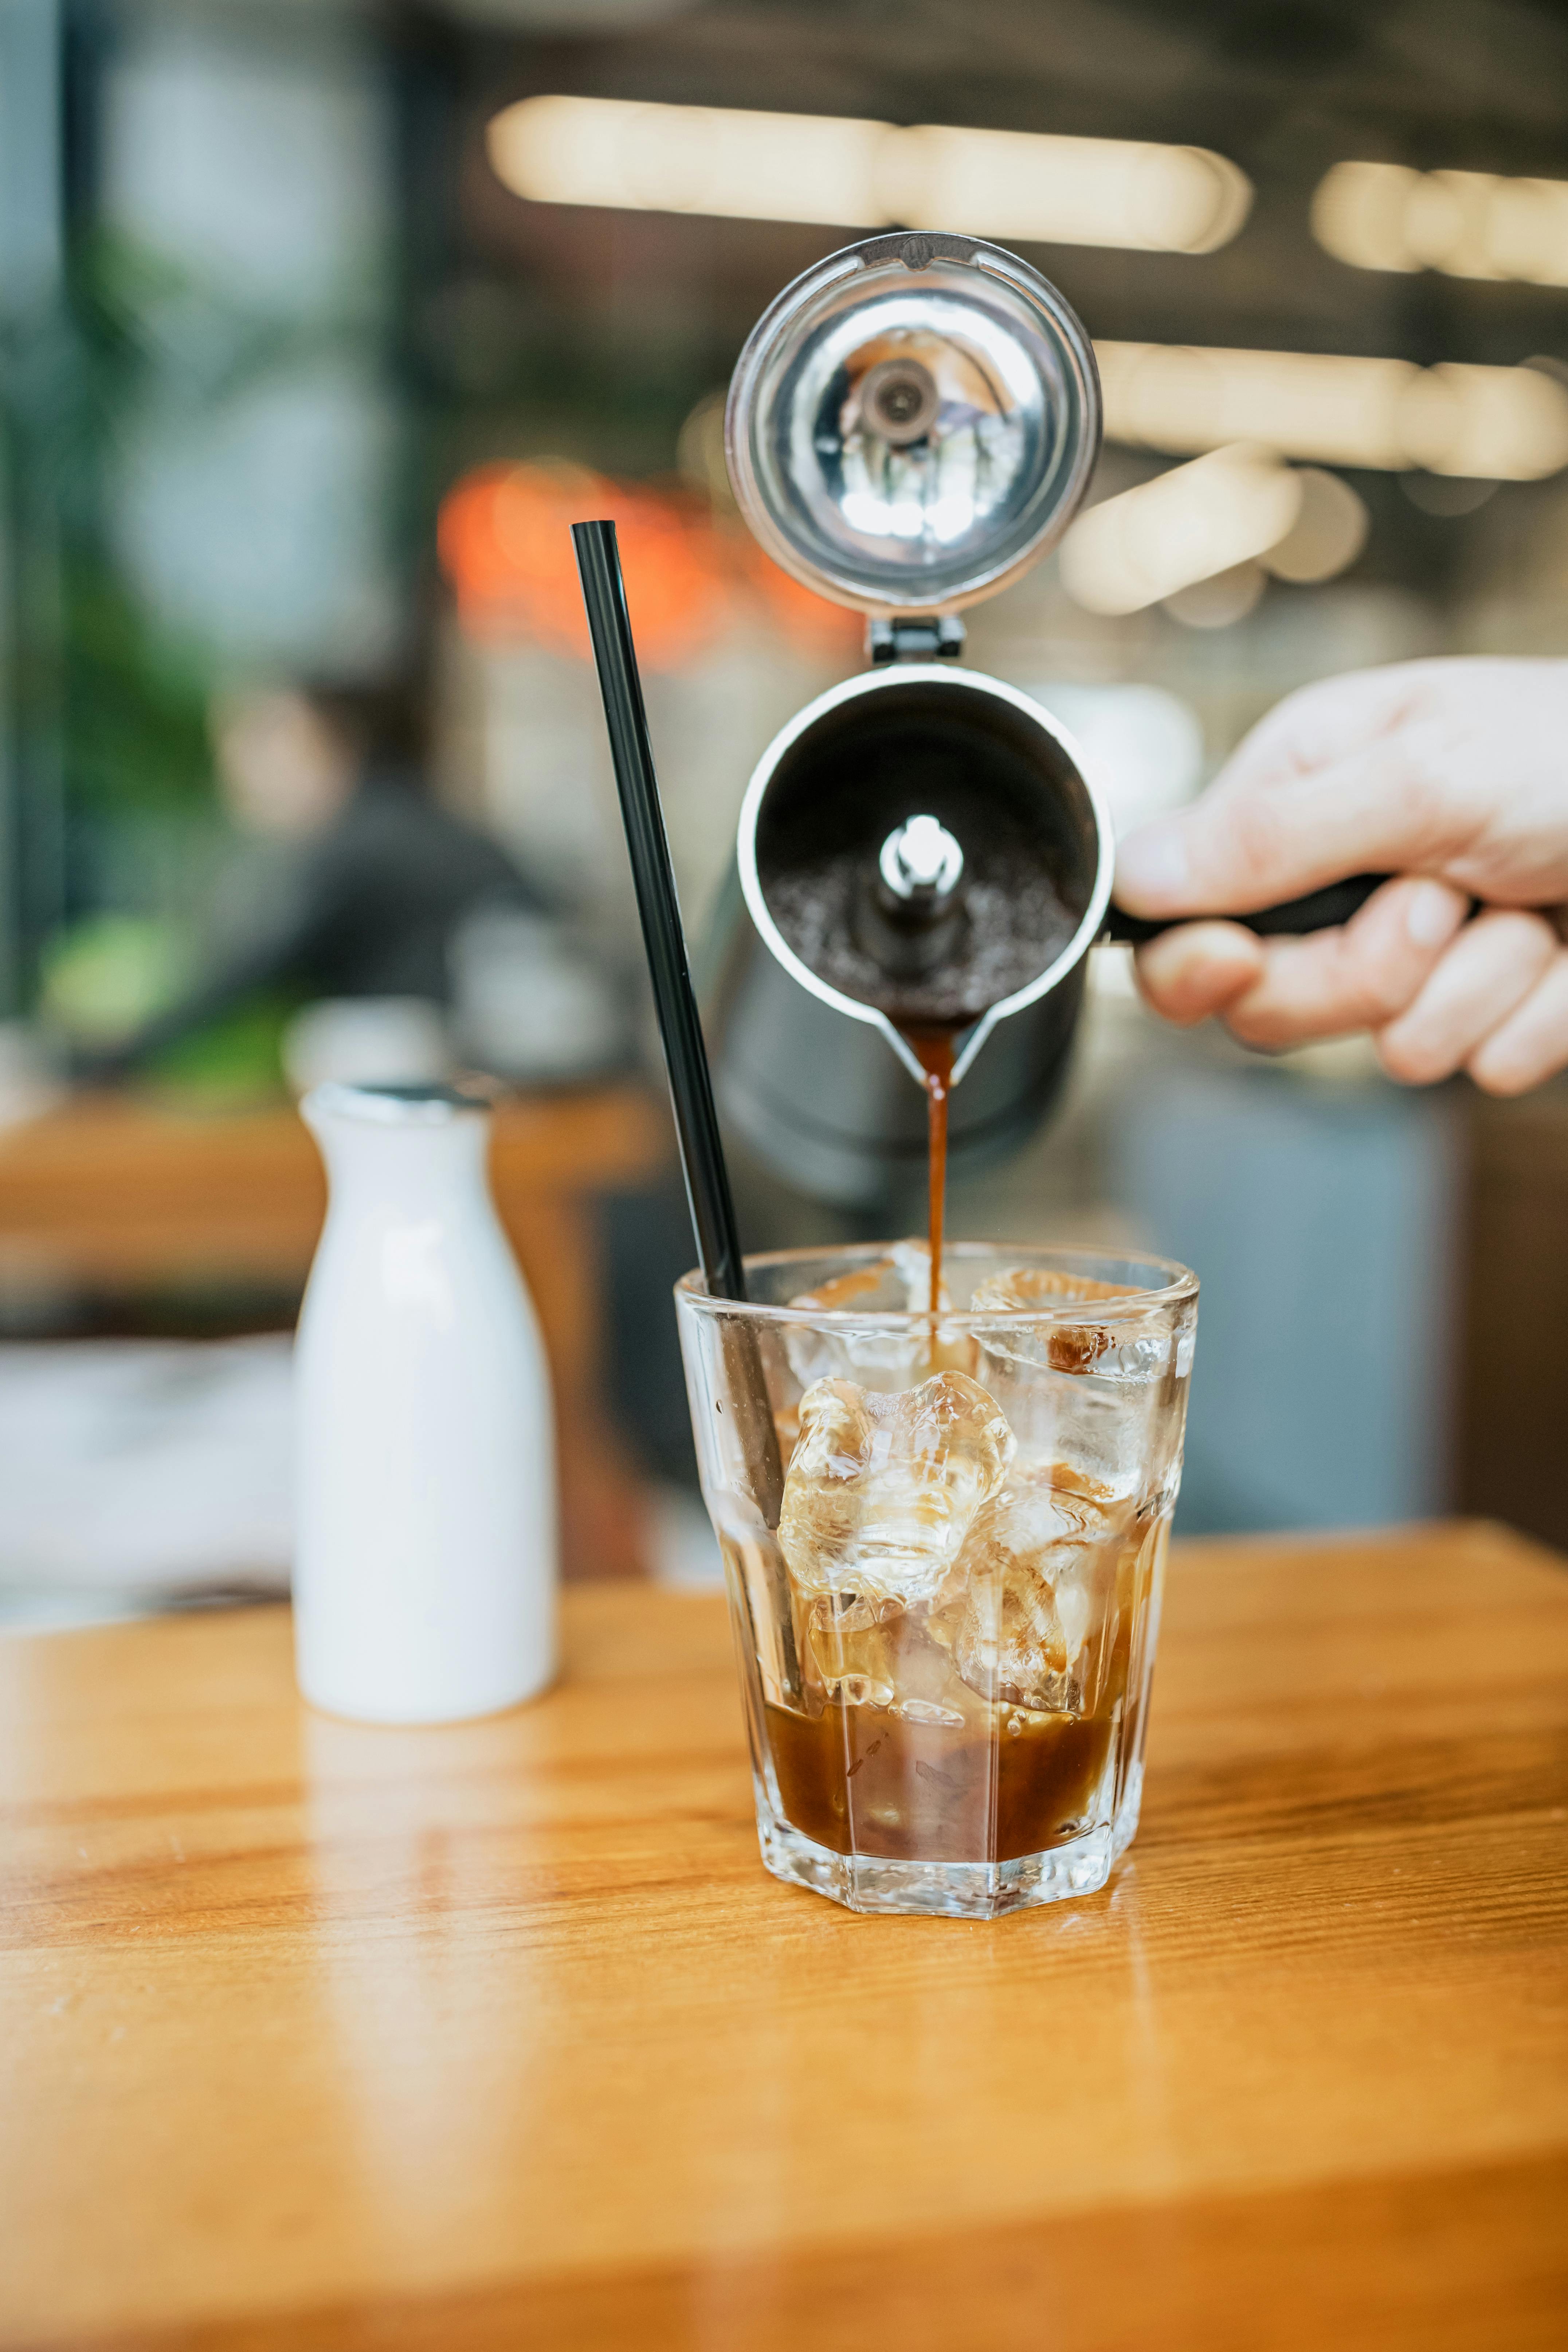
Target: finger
<point x="1532" y="1042"/>
<point x="1378" y="809"/>
<point x="1486" y="974"/>
<point x="1321" y="723"/>
<point x="1359" y="976"/>
<point x="1198" y="968"/>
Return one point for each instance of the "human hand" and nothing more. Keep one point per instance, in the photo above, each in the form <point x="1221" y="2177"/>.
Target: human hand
<point x="1451" y="776"/>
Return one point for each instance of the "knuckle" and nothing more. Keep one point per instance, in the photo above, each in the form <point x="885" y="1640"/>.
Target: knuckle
<point x="1537" y="938"/>
<point x="1254" y="838"/>
<point x="1168" y="1002"/>
<point x="1167" y="989"/>
<point x="1495" y="1075"/>
<point x="1264" y="1028"/>
<point x="1408" y="1061"/>
<point x="1510" y="940"/>
<point x="1362" y="978"/>
<point x="1419" y="789"/>
<point x="1299" y="728"/>
<point x="1377" y="980"/>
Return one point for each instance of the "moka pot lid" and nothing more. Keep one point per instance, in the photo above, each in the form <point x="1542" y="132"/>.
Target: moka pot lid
<point x="913" y="423"/>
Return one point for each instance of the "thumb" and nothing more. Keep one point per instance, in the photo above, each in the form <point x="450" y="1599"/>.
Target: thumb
<point x="1246" y="845"/>
<point x="1321" y="723"/>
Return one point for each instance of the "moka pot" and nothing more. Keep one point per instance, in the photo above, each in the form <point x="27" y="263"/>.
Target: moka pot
<point x="911" y="425"/>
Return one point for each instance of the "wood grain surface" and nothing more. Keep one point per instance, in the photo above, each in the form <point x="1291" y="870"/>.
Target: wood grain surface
<point x="450" y="2041"/>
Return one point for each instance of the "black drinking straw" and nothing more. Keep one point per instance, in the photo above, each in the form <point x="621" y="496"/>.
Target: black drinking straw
<point x="679" y="1027"/>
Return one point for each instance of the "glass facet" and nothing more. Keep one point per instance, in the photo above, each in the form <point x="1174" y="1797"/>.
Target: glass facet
<point x="943" y="1540"/>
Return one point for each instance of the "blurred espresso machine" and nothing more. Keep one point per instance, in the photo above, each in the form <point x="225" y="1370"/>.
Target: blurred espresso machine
<point x="911" y="424"/>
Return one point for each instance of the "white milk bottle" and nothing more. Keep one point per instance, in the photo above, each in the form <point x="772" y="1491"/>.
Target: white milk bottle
<point x="424" y="1568"/>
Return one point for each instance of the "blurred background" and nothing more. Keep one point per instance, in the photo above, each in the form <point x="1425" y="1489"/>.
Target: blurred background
<point x="320" y="325"/>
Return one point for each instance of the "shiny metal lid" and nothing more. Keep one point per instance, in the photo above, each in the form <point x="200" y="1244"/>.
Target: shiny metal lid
<point x="913" y="423"/>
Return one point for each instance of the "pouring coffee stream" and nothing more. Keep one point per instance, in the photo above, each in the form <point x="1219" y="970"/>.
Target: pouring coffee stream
<point x="933" y="1048"/>
<point x="913" y="920"/>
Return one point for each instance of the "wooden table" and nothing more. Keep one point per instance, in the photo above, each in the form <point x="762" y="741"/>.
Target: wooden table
<point x="114" y="1190"/>
<point x="499" y="2036"/>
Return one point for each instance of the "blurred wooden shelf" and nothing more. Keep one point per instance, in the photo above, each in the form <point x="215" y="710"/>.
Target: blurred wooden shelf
<point x="112" y="1191"/>
<point x="451" y="2041"/>
<point x="116" y="1189"/>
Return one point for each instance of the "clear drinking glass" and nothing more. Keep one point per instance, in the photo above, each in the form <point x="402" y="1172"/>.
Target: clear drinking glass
<point x="944" y="1539"/>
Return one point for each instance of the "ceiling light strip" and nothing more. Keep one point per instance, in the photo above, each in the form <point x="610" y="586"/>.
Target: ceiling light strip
<point x="1148" y="543"/>
<point x="729" y="163"/>
<point x="1496" y="424"/>
<point x="1465" y="224"/>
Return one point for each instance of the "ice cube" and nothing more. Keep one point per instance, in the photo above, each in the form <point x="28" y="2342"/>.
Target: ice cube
<point x="1087" y="1393"/>
<point x="928" y="1710"/>
<point x="867" y="1288"/>
<point x="911" y="1260"/>
<point x="852" y="1650"/>
<point x="1038" y="1566"/>
<point x="880" y="1489"/>
<point x="1063" y="1347"/>
<point x="876" y="1654"/>
<point x="874" y="1356"/>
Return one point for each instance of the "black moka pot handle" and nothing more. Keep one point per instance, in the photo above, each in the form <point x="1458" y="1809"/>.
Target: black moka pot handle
<point x="1320" y="911"/>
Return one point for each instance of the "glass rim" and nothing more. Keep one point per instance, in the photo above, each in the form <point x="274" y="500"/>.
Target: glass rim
<point x="1181" y="1286"/>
